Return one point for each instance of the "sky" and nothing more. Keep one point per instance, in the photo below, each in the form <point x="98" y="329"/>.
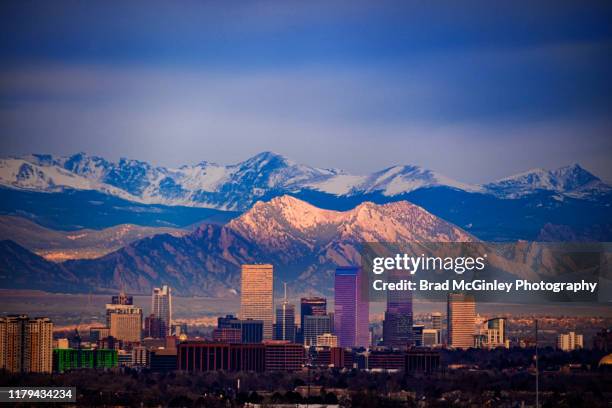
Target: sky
<point x="474" y="90"/>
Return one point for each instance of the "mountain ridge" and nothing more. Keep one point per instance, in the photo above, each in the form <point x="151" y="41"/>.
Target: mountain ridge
<point x="207" y="261"/>
<point x="238" y="186"/>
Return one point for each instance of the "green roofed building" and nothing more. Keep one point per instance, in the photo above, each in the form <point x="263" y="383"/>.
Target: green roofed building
<point x="70" y="359"/>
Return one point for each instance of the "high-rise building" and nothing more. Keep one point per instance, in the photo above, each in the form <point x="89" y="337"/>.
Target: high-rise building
<point x="351" y="317"/>
<point x="124" y="322"/>
<point x="315" y="326"/>
<point x="397" y="326"/>
<point x="461" y="320"/>
<point x="417" y="334"/>
<point x="436" y="321"/>
<point x="312" y="306"/>
<point x="154" y="327"/>
<point x="570" y="341"/>
<point x="257" y="295"/>
<point x="285" y="320"/>
<point x="161" y="307"/>
<point x="26" y="345"/>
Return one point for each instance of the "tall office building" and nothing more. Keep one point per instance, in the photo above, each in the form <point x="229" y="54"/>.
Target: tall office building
<point x="315" y="326"/>
<point x="397" y="326"/>
<point x="461" y="320"/>
<point x="161" y="307"/>
<point x="351" y="317"/>
<point x="312" y="306"/>
<point x="26" y="345"/>
<point x="124" y="321"/>
<point x="285" y="320"/>
<point x="257" y="295"/>
<point x="436" y="320"/>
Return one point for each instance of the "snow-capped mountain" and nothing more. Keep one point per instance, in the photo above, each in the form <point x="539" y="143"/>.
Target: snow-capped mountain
<point x="239" y="186"/>
<point x="573" y="181"/>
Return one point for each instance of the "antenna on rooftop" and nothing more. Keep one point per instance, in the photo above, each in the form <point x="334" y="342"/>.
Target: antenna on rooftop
<point x="285" y="285"/>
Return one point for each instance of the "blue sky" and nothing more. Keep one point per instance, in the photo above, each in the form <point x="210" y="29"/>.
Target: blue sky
<point x="475" y="90"/>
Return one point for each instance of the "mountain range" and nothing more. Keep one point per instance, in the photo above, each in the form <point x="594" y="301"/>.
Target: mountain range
<point x="305" y="243"/>
<point x="238" y="186"/>
<point x="136" y="192"/>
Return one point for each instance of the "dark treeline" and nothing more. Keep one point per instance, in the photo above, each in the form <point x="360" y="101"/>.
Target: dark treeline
<point x="493" y="384"/>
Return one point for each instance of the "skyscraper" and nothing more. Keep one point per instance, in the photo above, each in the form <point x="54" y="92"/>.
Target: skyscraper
<point x="26" y="345"/>
<point x="351" y="317"/>
<point x="124" y="320"/>
<point x="315" y="326"/>
<point x="397" y="326"/>
<point x="257" y="295"/>
<point x="312" y="306"/>
<point x="285" y="320"/>
<point x="436" y="320"/>
<point x="461" y="320"/>
<point x="161" y="307"/>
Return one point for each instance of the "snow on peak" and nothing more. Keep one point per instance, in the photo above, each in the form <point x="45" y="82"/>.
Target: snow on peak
<point x="572" y="180"/>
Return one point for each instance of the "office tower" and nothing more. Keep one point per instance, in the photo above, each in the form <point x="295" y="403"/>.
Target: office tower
<point x="251" y="330"/>
<point x="436" y="321"/>
<point x="124" y="322"/>
<point x="26" y="345"/>
<point x="397" y="326"/>
<point x="312" y="306"/>
<point x="351" y="317"/>
<point x="154" y="327"/>
<point x="313" y="327"/>
<point x="570" y="341"/>
<point x="431" y="337"/>
<point x="285" y="320"/>
<point x="461" y="320"/>
<point x="161" y="307"/>
<point x="257" y="295"/>
<point x="417" y="333"/>
<point x="327" y="340"/>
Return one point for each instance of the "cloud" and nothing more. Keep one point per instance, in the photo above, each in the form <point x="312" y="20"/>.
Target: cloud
<point x="475" y="114"/>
